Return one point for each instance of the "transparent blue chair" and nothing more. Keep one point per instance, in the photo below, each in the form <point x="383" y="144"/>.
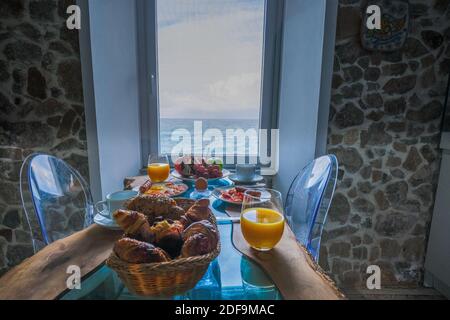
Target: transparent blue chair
<point x="57" y="202"/>
<point x="56" y="199"/>
<point x="309" y="199"/>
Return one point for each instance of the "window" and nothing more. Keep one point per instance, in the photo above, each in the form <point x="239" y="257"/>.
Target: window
<point x="211" y="70"/>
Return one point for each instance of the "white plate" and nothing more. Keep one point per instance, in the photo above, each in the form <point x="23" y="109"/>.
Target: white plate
<point x="105" y="222"/>
<point x="218" y="195"/>
<point x="176" y="174"/>
<point x="174" y="182"/>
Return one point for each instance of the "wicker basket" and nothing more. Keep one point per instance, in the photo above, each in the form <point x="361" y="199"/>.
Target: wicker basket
<point x="164" y="279"/>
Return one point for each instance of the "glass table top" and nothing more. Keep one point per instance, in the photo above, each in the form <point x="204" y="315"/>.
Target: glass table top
<point x="231" y="276"/>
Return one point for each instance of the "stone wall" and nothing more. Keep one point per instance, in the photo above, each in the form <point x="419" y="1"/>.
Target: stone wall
<point x="386" y="113"/>
<point x="41" y="105"/>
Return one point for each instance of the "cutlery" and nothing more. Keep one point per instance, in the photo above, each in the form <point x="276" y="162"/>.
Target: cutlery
<point x="227" y="220"/>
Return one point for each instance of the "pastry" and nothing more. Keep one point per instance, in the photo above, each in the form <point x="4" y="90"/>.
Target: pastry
<point x="168" y="236"/>
<point x="197" y="244"/>
<point x="202" y="227"/>
<point x="199" y="211"/>
<point x="129" y="221"/>
<point x="175" y="213"/>
<point x="134" y="224"/>
<point x="146" y="234"/>
<point x="155" y="205"/>
<point x="134" y="251"/>
<point x="150" y="204"/>
<point x="199" y="238"/>
<point x="185" y="221"/>
<point x="157" y="230"/>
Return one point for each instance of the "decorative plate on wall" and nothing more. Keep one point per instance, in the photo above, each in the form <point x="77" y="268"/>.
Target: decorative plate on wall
<point x="394" y="26"/>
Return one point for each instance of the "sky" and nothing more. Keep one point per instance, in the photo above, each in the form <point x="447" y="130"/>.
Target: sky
<point x="210" y="58"/>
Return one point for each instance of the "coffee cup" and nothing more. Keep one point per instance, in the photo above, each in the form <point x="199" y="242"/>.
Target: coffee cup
<point x="114" y="201"/>
<point x="245" y="172"/>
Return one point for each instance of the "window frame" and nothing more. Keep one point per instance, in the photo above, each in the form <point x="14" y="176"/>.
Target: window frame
<point x="147" y="38"/>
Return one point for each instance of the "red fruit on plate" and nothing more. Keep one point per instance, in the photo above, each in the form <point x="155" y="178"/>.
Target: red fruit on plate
<point x="183" y="166"/>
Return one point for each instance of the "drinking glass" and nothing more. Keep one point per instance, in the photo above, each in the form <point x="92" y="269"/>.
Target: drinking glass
<point x="257" y="285"/>
<point x="158" y="168"/>
<point x="262" y="218"/>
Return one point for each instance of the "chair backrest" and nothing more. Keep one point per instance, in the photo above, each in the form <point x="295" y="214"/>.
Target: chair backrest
<point x="309" y="199"/>
<point x="59" y="196"/>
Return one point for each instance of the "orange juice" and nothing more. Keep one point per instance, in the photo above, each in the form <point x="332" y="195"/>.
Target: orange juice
<point x="158" y="172"/>
<point x="262" y="227"/>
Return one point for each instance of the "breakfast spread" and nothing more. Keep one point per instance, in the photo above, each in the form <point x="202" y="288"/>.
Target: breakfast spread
<point x="158" y="230"/>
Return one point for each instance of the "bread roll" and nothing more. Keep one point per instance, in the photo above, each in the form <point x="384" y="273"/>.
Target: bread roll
<point x="151" y="205"/>
<point x="175" y="213"/>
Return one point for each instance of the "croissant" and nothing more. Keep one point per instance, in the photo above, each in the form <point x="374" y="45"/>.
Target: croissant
<point x="134" y="251"/>
<point x="199" y="211"/>
<point x="202" y="227"/>
<point x="130" y="221"/>
<point x="134" y="224"/>
<point x="197" y="244"/>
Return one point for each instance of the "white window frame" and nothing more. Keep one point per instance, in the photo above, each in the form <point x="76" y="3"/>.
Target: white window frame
<point x="148" y="73"/>
<point x="114" y="99"/>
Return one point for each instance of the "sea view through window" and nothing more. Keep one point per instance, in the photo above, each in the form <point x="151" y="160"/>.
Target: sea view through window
<point x="210" y="56"/>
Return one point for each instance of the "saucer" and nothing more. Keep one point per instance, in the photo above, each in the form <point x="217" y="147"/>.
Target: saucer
<point x="256" y="178"/>
<point x="105" y="222"/>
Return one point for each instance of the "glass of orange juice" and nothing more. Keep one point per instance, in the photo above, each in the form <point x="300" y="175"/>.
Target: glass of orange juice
<point x="158" y="168"/>
<point x="262" y="219"/>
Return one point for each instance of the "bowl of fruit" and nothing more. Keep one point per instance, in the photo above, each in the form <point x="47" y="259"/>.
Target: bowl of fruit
<point x="190" y="168"/>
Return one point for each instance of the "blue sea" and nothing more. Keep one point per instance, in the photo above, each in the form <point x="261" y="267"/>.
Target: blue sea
<point x="169" y="126"/>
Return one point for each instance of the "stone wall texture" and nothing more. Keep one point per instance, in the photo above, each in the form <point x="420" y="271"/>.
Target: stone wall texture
<point x="385" y="118"/>
<point x="41" y="106"/>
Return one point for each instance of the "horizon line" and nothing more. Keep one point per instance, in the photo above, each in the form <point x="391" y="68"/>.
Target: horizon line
<point x="185" y="118"/>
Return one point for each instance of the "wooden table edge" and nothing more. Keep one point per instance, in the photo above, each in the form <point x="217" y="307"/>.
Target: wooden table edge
<point x="291" y="251"/>
<point x="43" y="276"/>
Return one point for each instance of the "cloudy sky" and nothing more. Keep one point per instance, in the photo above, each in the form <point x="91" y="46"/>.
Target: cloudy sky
<point x="210" y="57"/>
